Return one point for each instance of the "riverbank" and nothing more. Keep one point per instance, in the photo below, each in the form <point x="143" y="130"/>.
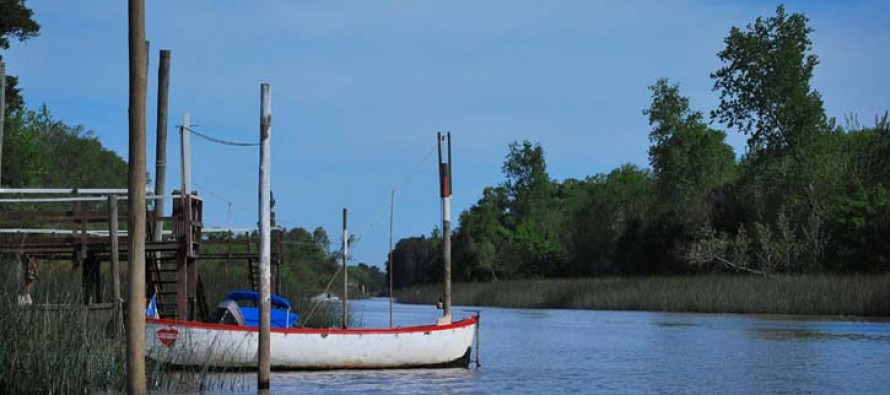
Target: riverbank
<point x="848" y="295"/>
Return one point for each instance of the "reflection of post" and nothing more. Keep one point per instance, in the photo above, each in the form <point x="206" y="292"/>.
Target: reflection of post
<point x="136" y="200"/>
<point x="264" y="352"/>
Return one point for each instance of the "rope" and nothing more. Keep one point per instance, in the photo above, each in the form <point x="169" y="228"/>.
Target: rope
<point x="220" y="141"/>
<point x="405" y="181"/>
<point x="326" y="289"/>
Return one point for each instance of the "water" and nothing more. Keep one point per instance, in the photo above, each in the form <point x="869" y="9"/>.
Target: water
<point x="580" y="351"/>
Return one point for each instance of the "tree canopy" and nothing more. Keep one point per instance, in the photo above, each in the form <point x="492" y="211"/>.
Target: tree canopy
<point x="16" y="22"/>
<point x="806" y="196"/>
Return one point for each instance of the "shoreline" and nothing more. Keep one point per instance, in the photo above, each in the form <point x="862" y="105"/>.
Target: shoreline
<point x="839" y="296"/>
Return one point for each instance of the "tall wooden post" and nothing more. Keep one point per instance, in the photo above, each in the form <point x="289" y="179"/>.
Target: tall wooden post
<point x="185" y="155"/>
<point x="115" y="261"/>
<point x="2" y="114"/>
<point x="136" y="201"/>
<point x="445" y="193"/>
<point x="161" y="145"/>
<point x="392" y="199"/>
<point x="265" y="233"/>
<point x="345" y="315"/>
<point x="186" y="260"/>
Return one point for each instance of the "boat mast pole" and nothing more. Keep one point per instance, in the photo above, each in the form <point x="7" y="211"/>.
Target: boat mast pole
<point x="445" y="192"/>
<point x="345" y="273"/>
<point x="138" y="57"/>
<point x="392" y="199"/>
<point x="264" y="352"/>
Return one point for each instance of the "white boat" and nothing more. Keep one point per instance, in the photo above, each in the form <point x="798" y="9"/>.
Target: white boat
<point x="232" y="341"/>
<point x="187" y="343"/>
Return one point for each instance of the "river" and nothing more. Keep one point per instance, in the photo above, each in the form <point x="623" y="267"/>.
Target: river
<point x="583" y="351"/>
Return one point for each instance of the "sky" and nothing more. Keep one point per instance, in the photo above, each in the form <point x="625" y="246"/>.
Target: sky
<point x="360" y="89"/>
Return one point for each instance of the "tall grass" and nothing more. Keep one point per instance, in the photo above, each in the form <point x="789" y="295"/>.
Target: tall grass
<point x="57" y="350"/>
<point x="848" y="295"/>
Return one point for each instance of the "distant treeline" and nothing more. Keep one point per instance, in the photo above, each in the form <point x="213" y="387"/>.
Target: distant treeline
<point x="808" y="195"/>
<point x="309" y="267"/>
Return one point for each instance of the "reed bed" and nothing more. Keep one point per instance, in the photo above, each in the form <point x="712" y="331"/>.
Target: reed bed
<point x="847" y="295"/>
<point x="61" y="346"/>
<point x="58" y="350"/>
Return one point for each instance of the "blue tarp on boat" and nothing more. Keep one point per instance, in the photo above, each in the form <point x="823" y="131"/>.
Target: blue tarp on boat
<point x="280" y="315"/>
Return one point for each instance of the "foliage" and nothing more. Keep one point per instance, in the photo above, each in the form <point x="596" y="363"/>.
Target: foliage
<point x="765" y="84"/>
<point x="688" y="158"/>
<point x="16" y="22"/>
<point x="39" y="151"/>
<point x="807" y="196"/>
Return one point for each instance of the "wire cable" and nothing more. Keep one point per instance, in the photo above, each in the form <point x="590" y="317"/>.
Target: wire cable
<point x="219" y="141"/>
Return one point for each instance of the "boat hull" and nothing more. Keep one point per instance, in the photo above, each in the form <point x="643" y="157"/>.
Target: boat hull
<point x="224" y="346"/>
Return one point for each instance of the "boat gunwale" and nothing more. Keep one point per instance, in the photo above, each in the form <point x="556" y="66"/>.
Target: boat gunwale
<point x="469" y="321"/>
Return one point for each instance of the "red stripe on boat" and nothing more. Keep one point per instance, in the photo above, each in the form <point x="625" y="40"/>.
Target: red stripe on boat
<point x="331" y="331"/>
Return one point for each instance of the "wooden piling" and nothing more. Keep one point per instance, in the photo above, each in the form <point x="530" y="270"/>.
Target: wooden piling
<point x="136" y="202"/>
<point x="264" y="352"/>
<point x="185" y="153"/>
<point x="115" y="261"/>
<point x="2" y="113"/>
<point x="445" y="192"/>
<point x="161" y="142"/>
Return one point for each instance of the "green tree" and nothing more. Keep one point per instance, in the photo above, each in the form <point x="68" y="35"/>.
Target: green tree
<point x="481" y="237"/>
<point x="16" y="22"/>
<point x="40" y="151"/>
<point x="765" y="83"/>
<point x="534" y="247"/>
<point x="687" y="158"/>
<point x="790" y="168"/>
<point x="527" y="184"/>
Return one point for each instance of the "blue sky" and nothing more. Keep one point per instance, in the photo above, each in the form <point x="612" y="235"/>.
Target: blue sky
<point x="359" y="90"/>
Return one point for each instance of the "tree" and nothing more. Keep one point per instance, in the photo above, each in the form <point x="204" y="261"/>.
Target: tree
<point x="765" y="83"/>
<point x="16" y="22"/>
<point x="411" y="260"/>
<point x="40" y="151"/>
<point x="687" y="158"/>
<point x="480" y="239"/>
<point x="527" y="184"/>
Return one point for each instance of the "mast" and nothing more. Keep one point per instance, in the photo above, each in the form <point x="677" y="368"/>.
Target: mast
<point x="345" y="273"/>
<point x="445" y="193"/>
<point x="392" y="198"/>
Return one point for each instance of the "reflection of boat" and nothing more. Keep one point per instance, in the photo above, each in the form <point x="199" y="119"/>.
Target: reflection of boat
<point x="233" y="345"/>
